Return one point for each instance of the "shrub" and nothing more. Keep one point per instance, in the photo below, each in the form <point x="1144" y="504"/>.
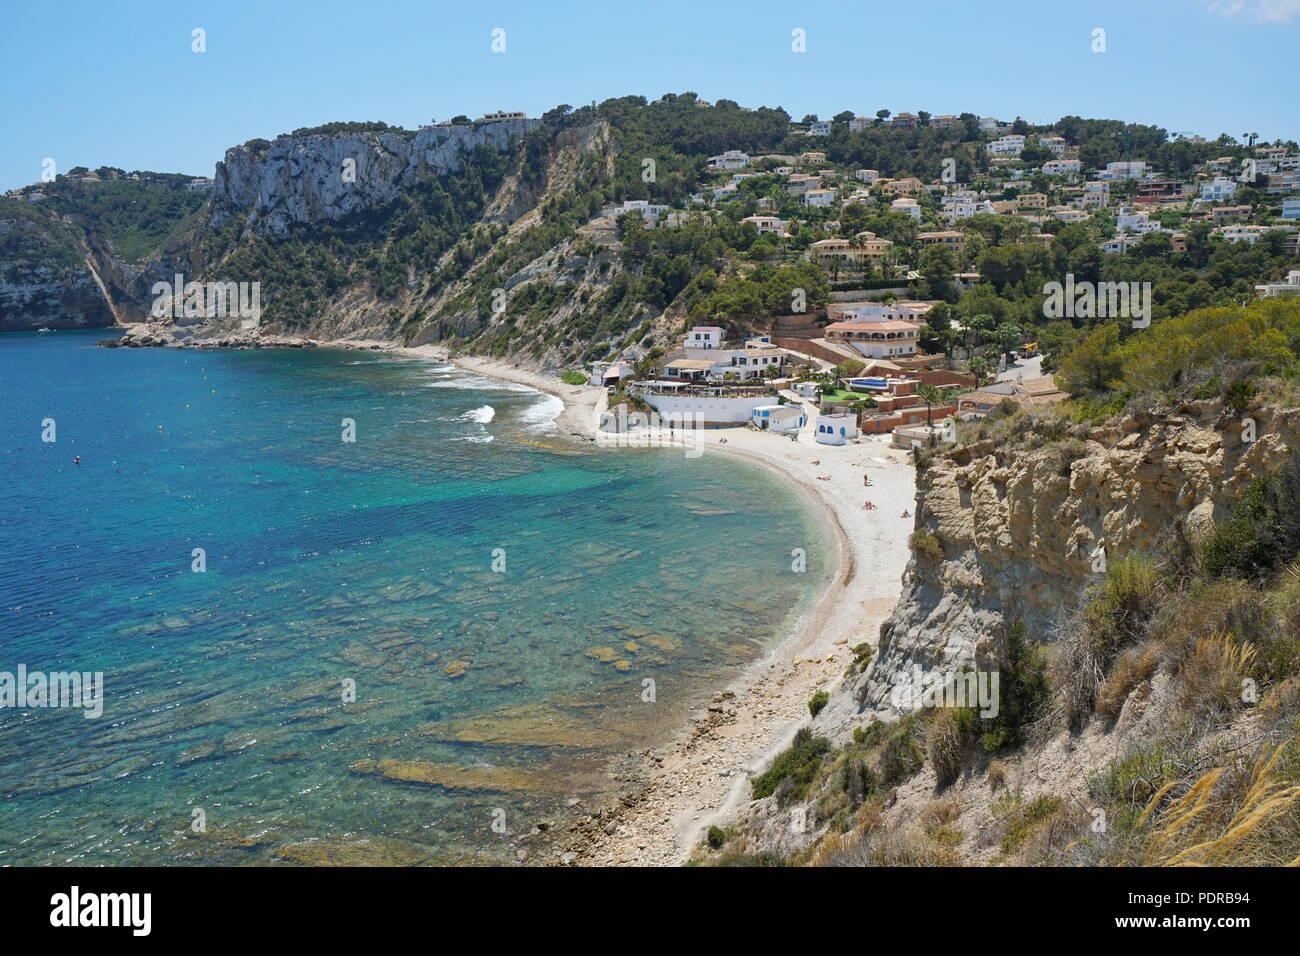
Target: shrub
<point x="717" y="837"/>
<point x="1263" y="532"/>
<point x="902" y="756"/>
<point x="862" y="654"/>
<point x="947" y="743"/>
<point x="1134" y="666"/>
<point x="572" y="377"/>
<point x="925" y="544"/>
<point x="799" y="764"/>
<point x="1115" y="616"/>
<point x="1211" y="679"/>
<point x="1239" y="395"/>
<point x="818" y="701"/>
<point x="997" y="774"/>
<point x="1023" y="689"/>
<point x="1022" y="822"/>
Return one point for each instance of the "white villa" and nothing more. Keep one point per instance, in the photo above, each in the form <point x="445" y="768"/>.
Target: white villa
<point x="704" y="337"/>
<point x="877" y="338"/>
<point x="1218" y="189"/>
<point x="769" y="224"/>
<point x="731" y="159"/>
<point x="1290" y="287"/>
<point x="1134" y="169"/>
<point x="908" y="207"/>
<point x="1063" y="167"/>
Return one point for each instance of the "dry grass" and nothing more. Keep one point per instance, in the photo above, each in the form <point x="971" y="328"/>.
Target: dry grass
<point x="1115" y="617"/>
<point x="997" y="774"/>
<point x="1198" y="829"/>
<point x="1211" y="680"/>
<point x="1132" y="668"/>
<point x="940" y="813"/>
<point x="946" y="744"/>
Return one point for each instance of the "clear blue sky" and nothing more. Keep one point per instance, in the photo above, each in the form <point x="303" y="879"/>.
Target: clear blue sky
<point x="96" y="83"/>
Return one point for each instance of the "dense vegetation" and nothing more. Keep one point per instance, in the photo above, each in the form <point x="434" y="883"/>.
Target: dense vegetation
<point x="138" y="216"/>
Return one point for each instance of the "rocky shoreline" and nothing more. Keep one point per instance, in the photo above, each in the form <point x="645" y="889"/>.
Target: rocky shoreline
<point x="157" y="335"/>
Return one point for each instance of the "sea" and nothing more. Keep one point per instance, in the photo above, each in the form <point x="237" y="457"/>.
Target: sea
<point x="347" y="607"/>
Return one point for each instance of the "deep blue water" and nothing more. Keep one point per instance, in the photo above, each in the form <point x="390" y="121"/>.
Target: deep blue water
<point x="329" y="561"/>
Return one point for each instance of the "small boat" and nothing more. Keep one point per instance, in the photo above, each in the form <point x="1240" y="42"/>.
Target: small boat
<point x="44" y="331"/>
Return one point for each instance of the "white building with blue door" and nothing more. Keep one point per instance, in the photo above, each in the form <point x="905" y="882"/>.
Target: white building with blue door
<point x="781" y="419"/>
<point x="837" y="429"/>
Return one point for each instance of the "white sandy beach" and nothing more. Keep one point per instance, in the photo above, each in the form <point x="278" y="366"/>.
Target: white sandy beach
<point x="698" y="777"/>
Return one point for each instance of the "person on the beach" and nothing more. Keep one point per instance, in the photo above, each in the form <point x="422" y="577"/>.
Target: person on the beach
<point x="905" y="514"/>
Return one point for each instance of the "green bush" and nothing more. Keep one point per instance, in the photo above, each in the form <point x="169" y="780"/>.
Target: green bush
<point x="572" y="377"/>
<point x="902" y="756"/>
<point x="818" y="701"/>
<point x="1023" y="689"/>
<point x="1263" y="532"/>
<point x="800" y="763"/>
<point x="925" y="544"/>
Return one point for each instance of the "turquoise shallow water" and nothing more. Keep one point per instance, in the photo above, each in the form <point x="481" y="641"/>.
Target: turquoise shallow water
<point x="327" y="562"/>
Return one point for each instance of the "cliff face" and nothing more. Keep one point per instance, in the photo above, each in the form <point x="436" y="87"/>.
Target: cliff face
<point x="411" y="235"/>
<point x="1020" y="530"/>
<point x="45" y="281"/>
<point x="307" y="180"/>
<point x="83" y="252"/>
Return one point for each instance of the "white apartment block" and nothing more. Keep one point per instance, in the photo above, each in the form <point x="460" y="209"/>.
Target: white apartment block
<point x="1006" y="145"/>
<point x="1218" y="189"/>
<point x="909" y="207"/>
<point x="1063" y="167"/>
<point x="819" y="197"/>
<point x="1125" y="169"/>
<point x="731" y="159"/>
<point x="1055" y="143"/>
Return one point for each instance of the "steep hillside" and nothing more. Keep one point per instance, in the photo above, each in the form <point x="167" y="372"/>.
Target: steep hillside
<point x="82" y="251"/>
